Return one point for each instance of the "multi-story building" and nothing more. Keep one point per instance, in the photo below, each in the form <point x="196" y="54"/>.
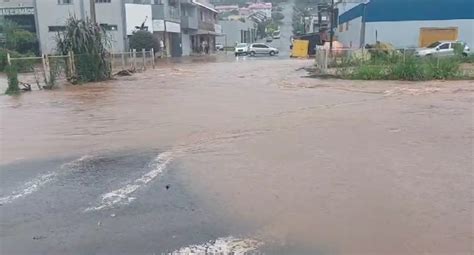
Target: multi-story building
<point x="167" y="25"/>
<point x="199" y="26"/>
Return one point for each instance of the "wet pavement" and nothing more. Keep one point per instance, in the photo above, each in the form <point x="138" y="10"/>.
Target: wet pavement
<point x="238" y="154"/>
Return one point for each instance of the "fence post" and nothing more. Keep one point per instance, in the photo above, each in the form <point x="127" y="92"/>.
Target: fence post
<point x="326" y="56"/>
<point x="45" y="68"/>
<point x="130" y="59"/>
<point x="144" y="59"/>
<point x="153" y="58"/>
<point x="69" y="55"/>
<point x="123" y="59"/>
<point x="9" y="59"/>
<point x="134" y="58"/>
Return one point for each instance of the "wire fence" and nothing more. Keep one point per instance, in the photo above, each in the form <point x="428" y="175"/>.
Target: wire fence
<point x="46" y="71"/>
<point x="343" y="62"/>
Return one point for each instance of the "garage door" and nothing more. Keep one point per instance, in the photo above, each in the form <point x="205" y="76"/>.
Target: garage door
<point x="430" y="35"/>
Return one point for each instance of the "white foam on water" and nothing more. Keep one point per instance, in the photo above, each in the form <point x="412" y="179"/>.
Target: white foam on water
<point x="37" y="183"/>
<point x="222" y="246"/>
<point x="123" y="196"/>
<point x="29" y="188"/>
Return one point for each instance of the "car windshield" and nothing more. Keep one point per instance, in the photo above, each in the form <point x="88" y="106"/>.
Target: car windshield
<point x="434" y="45"/>
<point x="240" y="45"/>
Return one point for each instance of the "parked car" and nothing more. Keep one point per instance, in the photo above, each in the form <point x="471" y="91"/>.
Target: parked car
<point x="261" y="48"/>
<point x="269" y="39"/>
<point x="241" y="49"/>
<point x="442" y="49"/>
<point x="276" y="34"/>
<point x="219" y="46"/>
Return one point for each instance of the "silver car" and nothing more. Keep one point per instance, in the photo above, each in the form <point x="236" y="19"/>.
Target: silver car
<point x="262" y="49"/>
<point x="442" y="49"/>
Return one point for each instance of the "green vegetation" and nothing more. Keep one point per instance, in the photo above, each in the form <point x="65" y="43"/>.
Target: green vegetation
<point x="410" y="68"/>
<point x="12" y="76"/>
<point x="277" y="16"/>
<point x="143" y="40"/>
<point x="88" y="42"/>
<point x="19" y="43"/>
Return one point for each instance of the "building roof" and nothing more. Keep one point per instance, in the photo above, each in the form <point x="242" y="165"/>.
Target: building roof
<point x="261" y="6"/>
<point x="205" y="5"/>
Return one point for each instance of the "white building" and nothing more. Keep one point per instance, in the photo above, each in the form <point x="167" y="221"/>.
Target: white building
<point x="405" y="23"/>
<point x="118" y="18"/>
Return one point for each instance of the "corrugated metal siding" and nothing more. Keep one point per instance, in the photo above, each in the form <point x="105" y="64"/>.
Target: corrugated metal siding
<point x="408" y="10"/>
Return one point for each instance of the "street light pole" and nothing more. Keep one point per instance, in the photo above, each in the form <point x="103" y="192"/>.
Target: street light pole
<point x="331" y="33"/>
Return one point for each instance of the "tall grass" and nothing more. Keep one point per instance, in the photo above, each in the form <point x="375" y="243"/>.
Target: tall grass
<point x="88" y="42"/>
<point x="408" y="68"/>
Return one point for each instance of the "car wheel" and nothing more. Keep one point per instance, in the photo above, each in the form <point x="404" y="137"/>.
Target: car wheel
<point x="236" y="54"/>
<point x="272" y="53"/>
<point x="252" y="53"/>
<point x="464" y="54"/>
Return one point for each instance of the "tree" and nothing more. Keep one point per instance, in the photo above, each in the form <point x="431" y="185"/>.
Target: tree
<point x="88" y="41"/>
<point x="143" y="40"/>
<point x="18" y="39"/>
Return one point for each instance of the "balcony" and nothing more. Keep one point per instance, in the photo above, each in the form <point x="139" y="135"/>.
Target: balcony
<point x="189" y="22"/>
<point x="165" y="12"/>
<point x="206" y="26"/>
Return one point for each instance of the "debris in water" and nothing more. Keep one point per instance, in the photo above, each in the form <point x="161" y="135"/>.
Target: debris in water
<point x="167" y="186"/>
<point x="39" y="237"/>
<point x="112" y="215"/>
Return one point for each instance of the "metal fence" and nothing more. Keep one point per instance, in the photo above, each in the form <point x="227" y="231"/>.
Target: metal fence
<point x="133" y="59"/>
<point x="345" y="61"/>
<point x="46" y="70"/>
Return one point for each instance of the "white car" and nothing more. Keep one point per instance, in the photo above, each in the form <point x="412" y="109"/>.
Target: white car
<point x="241" y="49"/>
<point x="261" y="48"/>
<point x="442" y="49"/>
<point x="219" y="46"/>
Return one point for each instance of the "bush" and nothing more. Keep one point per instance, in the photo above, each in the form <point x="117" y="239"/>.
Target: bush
<point x="88" y="41"/>
<point x="143" y="40"/>
<point x="412" y="69"/>
<point x="12" y="76"/>
<point x="443" y="68"/>
<point x="277" y="16"/>
<point x="369" y="72"/>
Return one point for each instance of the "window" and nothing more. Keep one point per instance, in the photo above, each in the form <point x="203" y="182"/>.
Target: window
<point x="444" y="46"/>
<point x="65" y="2"/>
<point x="157" y="2"/>
<point x="56" y="28"/>
<point x="102" y="1"/>
<point x="108" y="27"/>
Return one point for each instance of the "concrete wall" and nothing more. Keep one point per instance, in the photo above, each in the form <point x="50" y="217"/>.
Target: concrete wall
<point x="350" y="38"/>
<point x="232" y="29"/>
<point x="50" y="13"/>
<point x="406" y="34"/>
<point x="111" y="14"/>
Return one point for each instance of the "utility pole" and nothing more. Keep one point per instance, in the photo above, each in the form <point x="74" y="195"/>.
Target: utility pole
<point x="331" y="33"/>
<point x="92" y="7"/>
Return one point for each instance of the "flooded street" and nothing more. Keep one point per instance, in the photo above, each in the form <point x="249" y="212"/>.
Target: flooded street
<point x="245" y="152"/>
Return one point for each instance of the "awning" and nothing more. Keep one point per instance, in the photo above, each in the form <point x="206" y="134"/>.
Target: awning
<point x="206" y="32"/>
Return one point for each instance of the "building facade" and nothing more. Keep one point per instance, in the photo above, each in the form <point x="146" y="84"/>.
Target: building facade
<point x="21" y="12"/>
<point x="199" y="27"/>
<point x="119" y="18"/>
<point x="406" y="23"/>
<point x="236" y="31"/>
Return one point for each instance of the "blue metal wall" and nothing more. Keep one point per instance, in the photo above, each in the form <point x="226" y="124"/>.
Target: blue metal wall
<point x="409" y="10"/>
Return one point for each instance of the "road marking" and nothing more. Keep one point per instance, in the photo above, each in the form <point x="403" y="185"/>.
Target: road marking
<point x="123" y="196"/>
<point x="37" y="183"/>
<point x="225" y="245"/>
<point x="29" y="188"/>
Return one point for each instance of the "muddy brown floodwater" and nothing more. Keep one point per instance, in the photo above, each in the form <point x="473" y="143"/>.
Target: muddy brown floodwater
<point x="314" y="166"/>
